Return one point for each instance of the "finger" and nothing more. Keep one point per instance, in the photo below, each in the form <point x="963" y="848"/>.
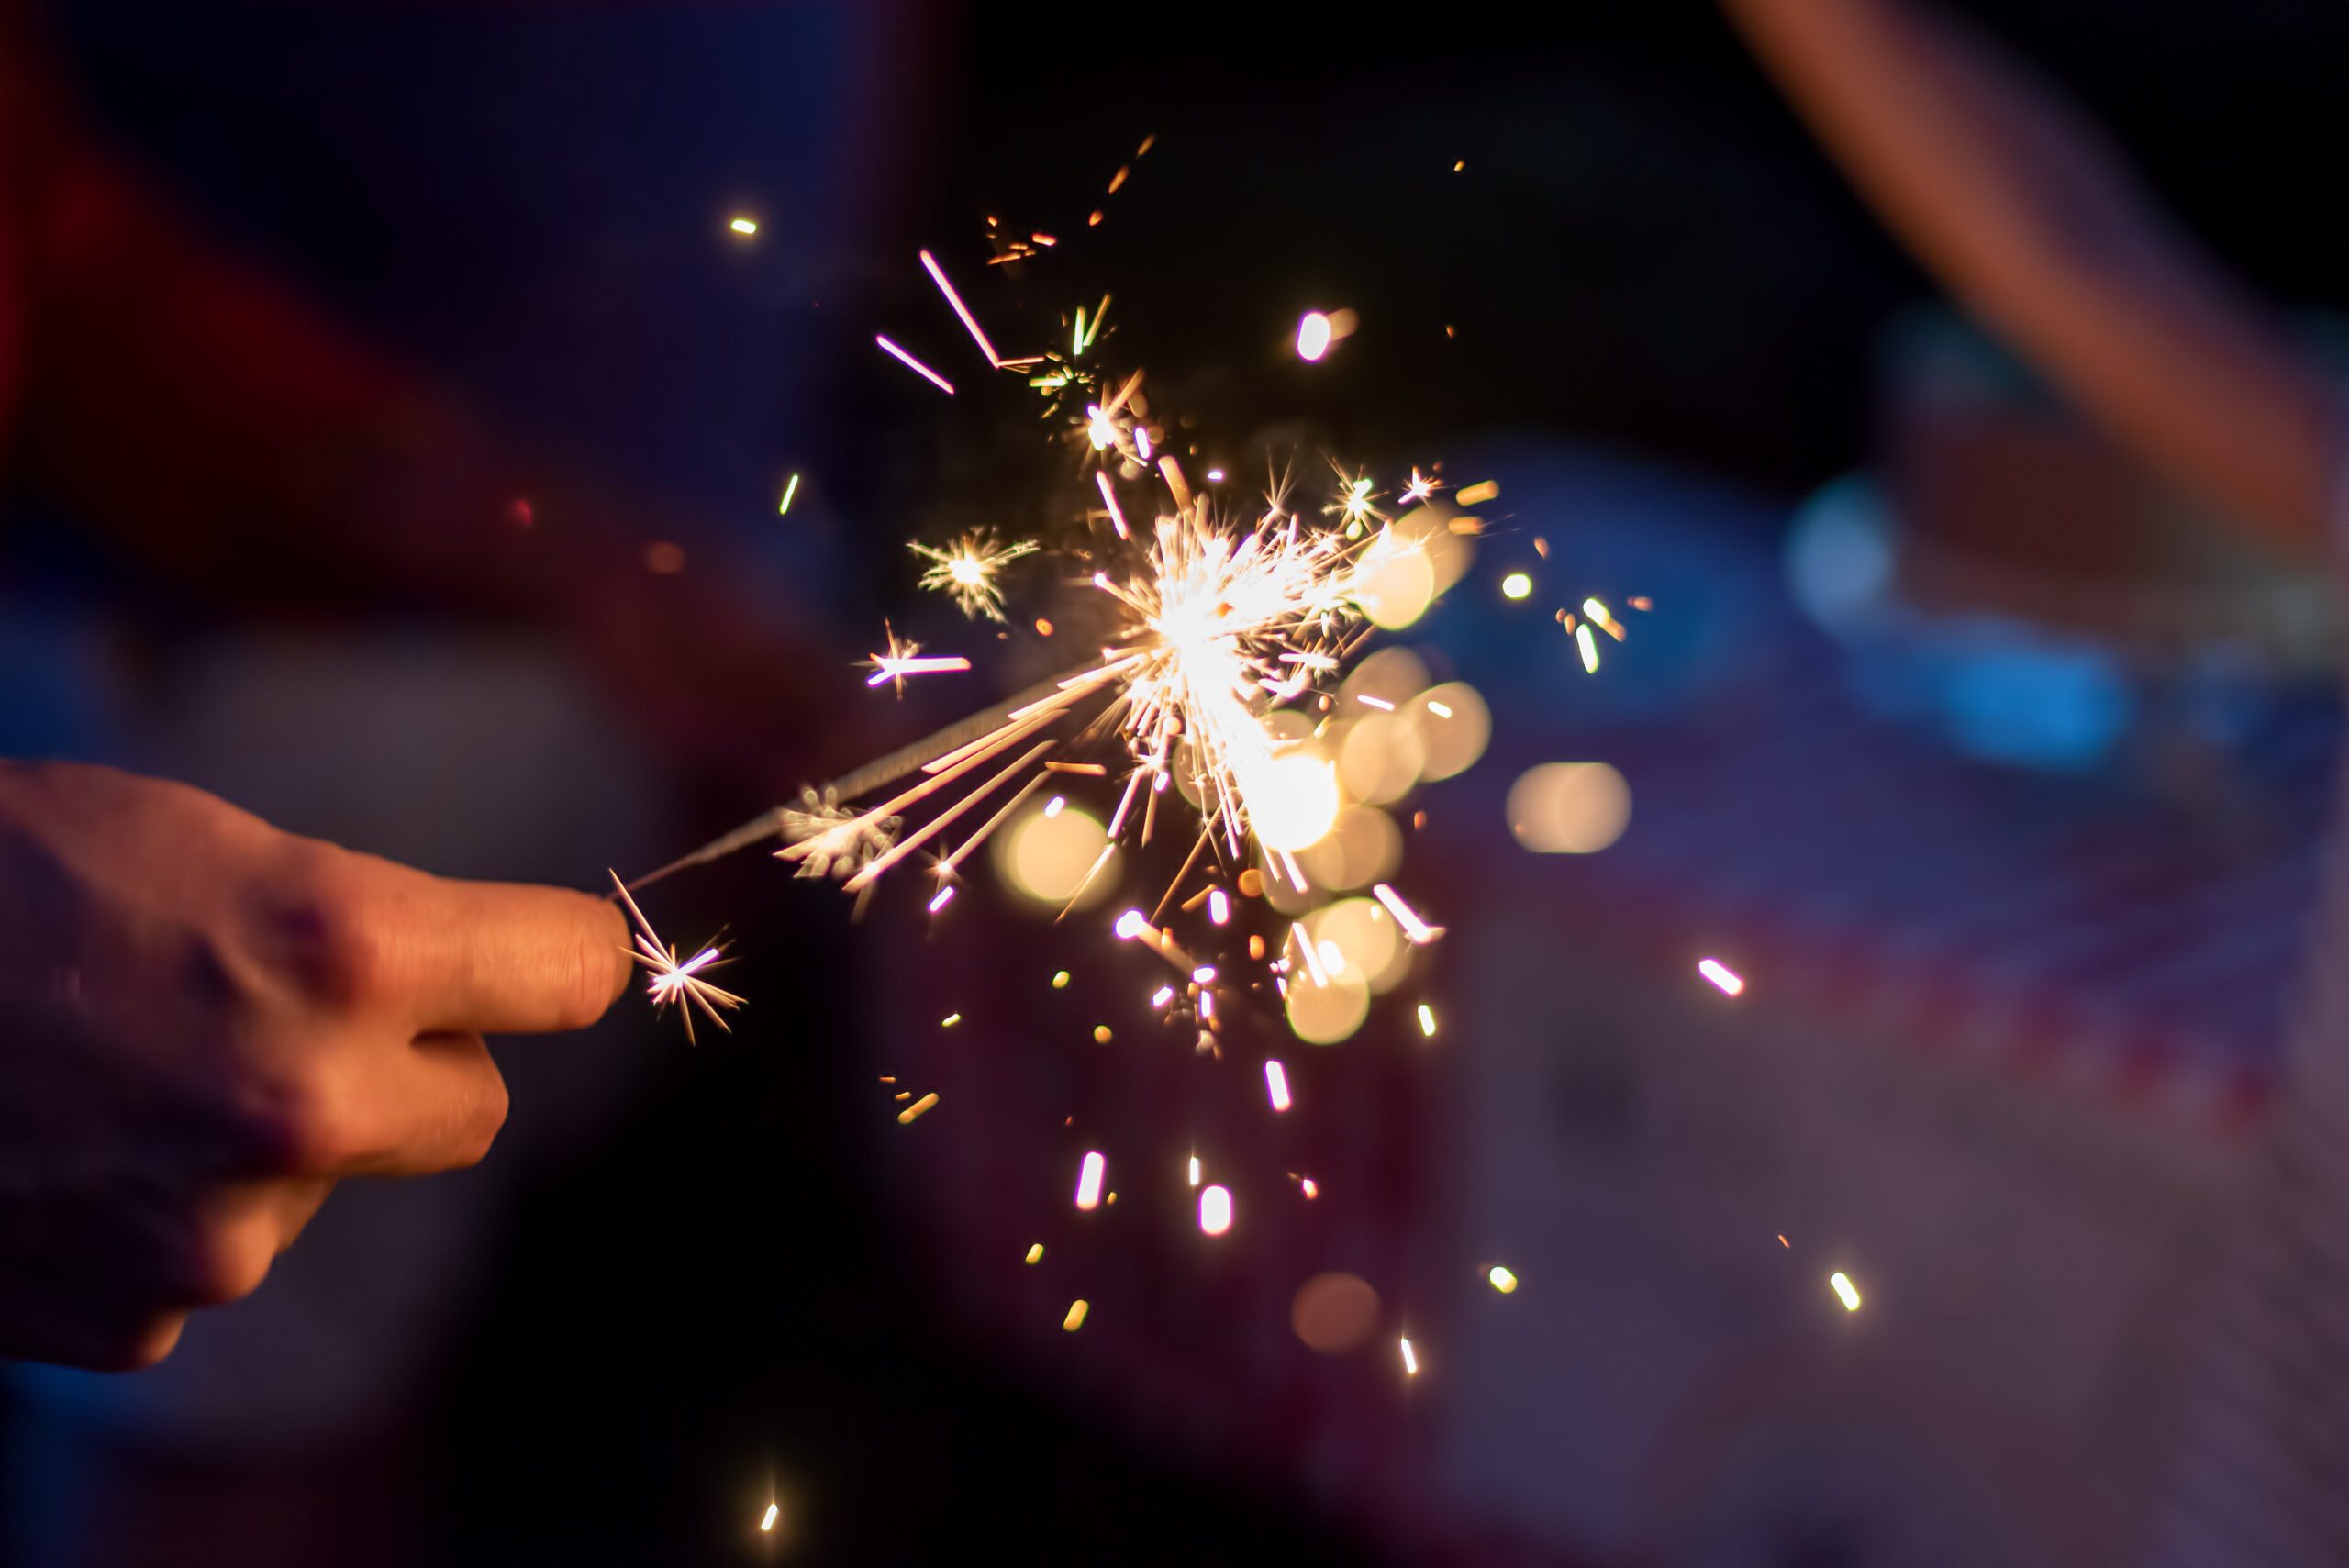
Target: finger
<point x="434" y="1105"/>
<point x="492" y="957"/>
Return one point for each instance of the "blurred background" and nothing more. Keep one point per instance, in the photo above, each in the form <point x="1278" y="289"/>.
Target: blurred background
<point x="400" y="426"/>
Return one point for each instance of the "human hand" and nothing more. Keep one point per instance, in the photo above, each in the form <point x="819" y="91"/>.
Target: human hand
<point x="205" y="1023"/>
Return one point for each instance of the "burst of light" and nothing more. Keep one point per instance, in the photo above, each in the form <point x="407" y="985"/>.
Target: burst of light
<point x="1410" y="1358"/>
<point x="1312" y="336"/>
<point x="967" y="570"/>
<point x="938" y="275"/>
<point x="1418" y="930"/>
<point x="1427" y="1020"/>
<point x="745" y="226"/>
<point x="1845" y="1290"/>
<point x="677" y="981"/>
<point x="1075" y="1318"/>
<point x="1503" y="1280"/>
<point x="885" y="668"/>
<point x="1035" y="1253"/>
<point x="1088" y="1179"/>
<point x="1215" y="476"/>
<point x="789" y="490"/>
<point x="1215" y="1210"/>
<point x="774" y="1510"/>
<point x="905" y="1118"/>
<point x="1720" y="975"/>
<point x="1277" y="1085"/>
<point x="1422" y="486"/>
<point x="1590" y="647"/>
<point x="915" y="365"/>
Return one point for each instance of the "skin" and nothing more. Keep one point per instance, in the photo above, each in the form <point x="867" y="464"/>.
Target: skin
<point x="205" y="1023"/>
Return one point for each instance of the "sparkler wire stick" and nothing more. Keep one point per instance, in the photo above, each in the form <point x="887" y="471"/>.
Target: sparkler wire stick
<point x="903" y="763"/>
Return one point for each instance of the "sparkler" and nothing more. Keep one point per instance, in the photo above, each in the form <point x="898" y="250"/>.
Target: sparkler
<point x="967" y="570"/>
<point x="675" y="981"/>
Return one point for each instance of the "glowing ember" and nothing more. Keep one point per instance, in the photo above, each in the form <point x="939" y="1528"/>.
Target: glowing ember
<point x="1845" y="1290"/>
<point x="788" y="492"/>
<point x="1215" y="1210"/>
<point x="905" y="1118"/>
<point x="1418" y="930"/>
<point x="1075" y="1318"/>
<point x="1427" y="1020"/>
<point x="1035" y="1253"/>
<point x="1720" y="975"/>
<point x="1517" y="585"/>
<point x="745" y="226"/>
<point x="1088" y="1179"/>
<point x="1312" y="336"/>
<point x="773" y="1511"/>
<point x="1411" y="1358"/>
<point x="1502" y="1278"/>
<point x="1588" y="647"/>
<point x="1277" y="1085"/>
<point x="938" y="275"/>
<point x="1195" y="1170"/>
<point x="1218" y="907"/>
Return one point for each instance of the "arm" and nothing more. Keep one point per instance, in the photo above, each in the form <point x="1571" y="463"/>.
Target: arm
<point x="2026" y="215"/>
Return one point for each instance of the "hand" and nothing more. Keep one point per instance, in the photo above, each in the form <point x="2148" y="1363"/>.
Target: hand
<point x="205" y="1023"/>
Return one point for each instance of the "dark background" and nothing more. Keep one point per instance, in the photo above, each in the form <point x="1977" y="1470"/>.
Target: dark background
<point x="1643" y="251"/>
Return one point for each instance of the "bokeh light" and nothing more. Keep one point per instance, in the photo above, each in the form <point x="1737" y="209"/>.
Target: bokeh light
<point x="1384" y="681"/>
<point x="1361" y="847"/>
<point x="1046" y="857"/>
<point x="1369" y="945"/>
<point x="1334" y="1313"/>
<point x="1449" y="554"/>
<point x="1380" y="758"/>
<point x="1569" y="808"/>
<point x="1292" y="799"/>
<point x="1326" y="1009"/>
<point x="1453" y="725"/>
<point x="1394" y="582"/>
<point x="1517" y="585"/>
<point x="1312" y="336"/>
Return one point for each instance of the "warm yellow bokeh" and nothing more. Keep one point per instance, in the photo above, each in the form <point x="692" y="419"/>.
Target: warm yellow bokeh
<point x="1395" y="581"/>
<point x="1357" y="936"/>
<point x="1046" y="857"/>
<point x="1361" y="847"/>
<point x="1325" y="1009"/>
<point x="1455" y="726"/>
<point x="1292" y="797"/>
<point x="1380" y="758"/>
<point x="1569" y="808"/>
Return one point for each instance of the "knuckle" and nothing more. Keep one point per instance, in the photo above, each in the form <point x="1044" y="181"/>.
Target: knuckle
<point x="314" y="932"/>
<point x="484" y="1125"/>
<point x="301" y="1124"/>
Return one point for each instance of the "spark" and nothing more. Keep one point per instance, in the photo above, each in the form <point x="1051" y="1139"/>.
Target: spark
<point x="1305" y="1184"/>
<point x="1440" y="709"/>
<point x="1109" y="498"/>
<point x="1381" y="704"/>
<point x="1035" y="1253"/>
<point x="916" y="366"/>
<point x="1215" y="1210"/>
<point x="1422" y="486"/>
<point x="1503" y="1280"/>
<point x="1590" y="647"/>
<point x="1276" y="1085"/>
<point x="1088" y="1179"/>
<point x="1845" y="1290"/>
<point x="1410" y="1360"/>
<point x="967" y="570"/>
<point x="1427" y="1020"/>
<point x="745" y="226"/>
<point x="945" y="895"/>
<point x="1218" y="907"/>
<point x="1606" y="623"/>
<point x="1517" y="585"/>
<point x="1720" y="975"/>
<point x="675" y="982"/>
<point x="1195" y="1170"/>
<point x="1164" y="995"/>
<point x="1101" y="1035"/>
<point x="905" y="1118"/>
<point x="773" y="1511"/>
<point x="1478" y="493"/>
<point x="788" y="492"/>
<point x="949" y="1020"/>
<point x="938" y="276"/>
<point x="1075" y="1318"/>
<point x="1060" y="980"/>
<point x="1418" y="930"/>
<point x="889" y="667"/>
<point x="1312" y="336"/>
